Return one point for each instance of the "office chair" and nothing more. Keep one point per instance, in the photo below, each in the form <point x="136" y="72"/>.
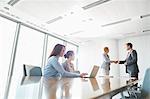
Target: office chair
<point x="30" y="70"/>
<point x="142" y="92"/>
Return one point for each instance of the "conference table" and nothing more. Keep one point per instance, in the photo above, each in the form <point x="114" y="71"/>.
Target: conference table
<point x="104" y="87"/>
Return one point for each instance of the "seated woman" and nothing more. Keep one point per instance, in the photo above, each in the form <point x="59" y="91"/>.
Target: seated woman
<point x="68" y="65"/>
<point x="54" y="68"/>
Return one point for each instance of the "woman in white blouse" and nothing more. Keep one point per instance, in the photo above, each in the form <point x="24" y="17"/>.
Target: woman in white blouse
<point x="105" y="67"/>
<point x="68" y="65"/>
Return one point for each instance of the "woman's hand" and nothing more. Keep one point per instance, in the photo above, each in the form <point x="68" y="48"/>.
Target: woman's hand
<point x="116" y="62"/>
<point x="83" y="74"/>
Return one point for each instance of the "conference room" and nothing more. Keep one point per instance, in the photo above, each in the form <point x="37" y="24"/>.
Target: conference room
<point x="74" y="49"/>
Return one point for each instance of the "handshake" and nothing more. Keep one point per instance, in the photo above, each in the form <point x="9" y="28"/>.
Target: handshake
<point x="116" y="62"/>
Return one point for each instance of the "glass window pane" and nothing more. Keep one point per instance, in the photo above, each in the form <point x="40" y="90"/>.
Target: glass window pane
<point x="7" y="33"/>
<point x="29" y="51"/>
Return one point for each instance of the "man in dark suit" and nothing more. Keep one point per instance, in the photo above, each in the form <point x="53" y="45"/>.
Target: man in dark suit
<point x="131" y="61"/>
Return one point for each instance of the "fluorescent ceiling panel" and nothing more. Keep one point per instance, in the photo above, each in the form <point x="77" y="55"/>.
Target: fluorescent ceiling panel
<point x="143" y="16"/>
<point x="117" y="22"/>
<point x="94" y="4"/>
<point x="54" y="20"/>
<point x="146" y="30"/>
<point x="13" y="2"/>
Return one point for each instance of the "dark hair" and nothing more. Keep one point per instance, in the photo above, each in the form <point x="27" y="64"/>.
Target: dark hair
<point x="130" y="44"/>
<point x="69" y="53"/>
<point x="57" y="49"/>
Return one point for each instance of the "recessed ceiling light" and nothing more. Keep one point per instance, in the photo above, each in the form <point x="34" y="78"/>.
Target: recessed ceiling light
<point x="146" y="30"/>
<point x="143" y="16"/>
<point x="13" y="2"/>
<point x="77" y="32"/>
<point x="90" y="19"/>
<point x="54" y="20"/>
<point x="6" y="8"/>
<point x="117" y="22"/>
<point x="94" y="4"/>
<point x="129" y="34"/>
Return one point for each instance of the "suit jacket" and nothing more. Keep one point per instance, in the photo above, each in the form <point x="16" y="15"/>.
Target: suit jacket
<point x="131" y="63"/>
<point x="106" y="62"/>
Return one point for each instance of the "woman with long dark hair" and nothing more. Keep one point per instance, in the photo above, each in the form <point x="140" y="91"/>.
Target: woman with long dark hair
<point x="54" y="68"/>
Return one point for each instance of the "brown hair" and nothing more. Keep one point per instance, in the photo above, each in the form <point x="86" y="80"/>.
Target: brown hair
<point x="106" y="48"/>
<point x="57" y="49"/>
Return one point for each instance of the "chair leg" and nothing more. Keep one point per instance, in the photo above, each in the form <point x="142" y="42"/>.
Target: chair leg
<point x="132" y="93"/>
<point x="122" y="95"/>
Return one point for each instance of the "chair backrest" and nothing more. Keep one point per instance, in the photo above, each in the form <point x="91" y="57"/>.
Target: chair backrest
<point x="30" y="70"/>
<point x="146" y="83"/>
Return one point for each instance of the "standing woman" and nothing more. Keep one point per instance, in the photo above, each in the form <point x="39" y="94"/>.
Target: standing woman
<point x="105" y="67"/>
<point x="68" y="65"/>
<point x="54" y="68"/>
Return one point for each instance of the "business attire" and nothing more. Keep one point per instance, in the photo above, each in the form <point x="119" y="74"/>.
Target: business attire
<point x="105" y="67"/>
<point x="131" y="64"/>
<point x="68" y="67"/>
<point x="55" y="69"/>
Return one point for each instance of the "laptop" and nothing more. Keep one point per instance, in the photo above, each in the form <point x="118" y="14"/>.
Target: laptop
<point x="93" y="72"/>
<point x="94" y="84"/>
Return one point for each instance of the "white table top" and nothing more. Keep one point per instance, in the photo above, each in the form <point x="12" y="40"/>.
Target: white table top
<point x="68" y="88"/>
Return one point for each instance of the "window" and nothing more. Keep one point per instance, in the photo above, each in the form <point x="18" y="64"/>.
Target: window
<point x="7" y="33"/>
<point x="29" y="51"/>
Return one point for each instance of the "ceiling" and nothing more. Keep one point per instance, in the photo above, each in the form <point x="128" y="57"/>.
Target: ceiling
<point x="111" y="19"/>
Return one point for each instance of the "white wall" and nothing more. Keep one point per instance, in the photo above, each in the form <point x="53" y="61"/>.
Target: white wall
<point x="90" y="54"/>
<point x="142" y="45"/>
